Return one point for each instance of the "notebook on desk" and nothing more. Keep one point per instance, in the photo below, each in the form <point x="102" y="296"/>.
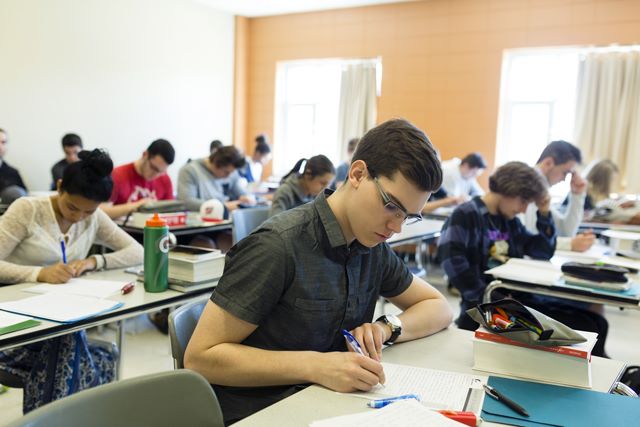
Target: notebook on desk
<point x="550" y="405"/>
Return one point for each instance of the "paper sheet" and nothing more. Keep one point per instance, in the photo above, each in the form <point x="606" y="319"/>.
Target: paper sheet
<point x="60" y="307"/>
<point x="10" y="319"/>
<point x="529" y="271"/>
<point x="405" y="413"/>
<point x="84" y="287"/>
<point x="437" y="389"/>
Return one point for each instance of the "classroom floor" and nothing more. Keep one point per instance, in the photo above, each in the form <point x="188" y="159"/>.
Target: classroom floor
<point x="148" y="351"/>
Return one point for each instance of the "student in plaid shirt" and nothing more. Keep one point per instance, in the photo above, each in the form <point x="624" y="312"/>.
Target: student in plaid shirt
<point x="484" y="232"/>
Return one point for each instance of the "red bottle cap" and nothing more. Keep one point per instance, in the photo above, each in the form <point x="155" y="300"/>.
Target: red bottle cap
<point x="155" y="221"/>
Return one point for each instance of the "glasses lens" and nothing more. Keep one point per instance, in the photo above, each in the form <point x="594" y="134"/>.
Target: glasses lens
<point x="412" y="220"/>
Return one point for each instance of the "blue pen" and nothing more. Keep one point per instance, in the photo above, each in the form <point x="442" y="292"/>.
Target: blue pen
<point x="64" y="251"/>
<point x="353" y="342"/>
<point x="381" y="403"/>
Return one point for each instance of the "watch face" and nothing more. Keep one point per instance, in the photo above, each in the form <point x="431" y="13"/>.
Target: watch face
<point x="394" y="321"/>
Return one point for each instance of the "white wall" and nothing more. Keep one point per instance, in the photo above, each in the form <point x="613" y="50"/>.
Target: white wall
<point x="120" y="73"/>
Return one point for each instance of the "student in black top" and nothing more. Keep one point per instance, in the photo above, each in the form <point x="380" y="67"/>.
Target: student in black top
<point x="11" y="184"/>
<point x="71" y="145"/>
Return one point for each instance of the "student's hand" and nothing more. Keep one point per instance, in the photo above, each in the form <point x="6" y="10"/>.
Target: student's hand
<point x="628" y="204"/>
<point x="248" y="199"/>
<point x="232" y="205"/>
<point x="544" y="204"/>
<point x="133" y="206"/>
<point x="347" y="371"/>
<point x="82" y="265"/>
<point x="583" y="241"/>
<point x="57" y="273"/>
<point x="371" y="336"/>
<point x="578" y="184"/>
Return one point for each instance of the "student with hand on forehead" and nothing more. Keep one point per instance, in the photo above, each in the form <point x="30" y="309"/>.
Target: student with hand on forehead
<point x="274" y="322"/>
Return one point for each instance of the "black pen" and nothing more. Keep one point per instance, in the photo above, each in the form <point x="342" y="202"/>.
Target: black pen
<point x="504" y="399"/>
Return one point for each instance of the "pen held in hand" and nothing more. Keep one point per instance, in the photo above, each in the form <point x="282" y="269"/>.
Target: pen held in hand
<point x="353" y="343"/>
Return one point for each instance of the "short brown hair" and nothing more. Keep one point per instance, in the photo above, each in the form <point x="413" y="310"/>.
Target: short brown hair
<point x="227" y="155"/>
<point x="517" y="179"/>
<point x="600" y="177"/>
<point x="398" y="146"/>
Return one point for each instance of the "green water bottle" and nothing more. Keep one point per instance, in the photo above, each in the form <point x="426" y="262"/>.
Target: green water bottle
<point x="156" y="254"/>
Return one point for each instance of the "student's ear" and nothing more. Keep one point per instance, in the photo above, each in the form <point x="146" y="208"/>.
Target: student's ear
<point x="357" y="173"/>
<point x="547" y="163"/>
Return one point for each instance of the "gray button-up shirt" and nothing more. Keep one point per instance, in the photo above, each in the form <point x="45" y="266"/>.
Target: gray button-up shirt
<point x="296" y="278"/>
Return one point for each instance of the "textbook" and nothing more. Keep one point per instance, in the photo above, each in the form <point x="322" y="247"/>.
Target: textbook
<point x="194" y="264"/>
<point x="566" y="365"/>
<point x="182" y="286"/>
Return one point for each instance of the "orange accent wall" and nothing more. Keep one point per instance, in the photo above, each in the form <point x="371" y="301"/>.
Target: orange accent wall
<point x="441" y="58"/>
<point x="240" y="79"/>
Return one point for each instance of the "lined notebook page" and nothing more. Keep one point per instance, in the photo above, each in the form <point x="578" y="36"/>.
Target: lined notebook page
<point x="85" y="287"/>
<point x="60" y="307"/>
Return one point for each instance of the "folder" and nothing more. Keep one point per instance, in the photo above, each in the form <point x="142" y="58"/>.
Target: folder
<point x="550" y="405"/>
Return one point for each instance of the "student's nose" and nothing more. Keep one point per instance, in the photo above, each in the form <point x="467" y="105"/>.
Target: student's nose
<point x="395" y="225"/>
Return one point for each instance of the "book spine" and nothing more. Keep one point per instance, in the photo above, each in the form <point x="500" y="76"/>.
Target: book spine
<point x="488" y="336"/>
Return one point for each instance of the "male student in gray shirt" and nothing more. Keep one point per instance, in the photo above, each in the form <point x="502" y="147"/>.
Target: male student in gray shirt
<point x="214" y="177"/>
<point x="289" y="288"/>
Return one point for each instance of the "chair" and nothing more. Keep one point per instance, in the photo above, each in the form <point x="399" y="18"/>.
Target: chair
<point x="182" y="322"/>
<point x="247" y="220"/>
<point x="164" y="399"/>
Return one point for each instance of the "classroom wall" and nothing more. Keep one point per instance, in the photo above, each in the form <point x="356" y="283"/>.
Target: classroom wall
<point x="441" y="58"/>
<point x="120" y="73"/>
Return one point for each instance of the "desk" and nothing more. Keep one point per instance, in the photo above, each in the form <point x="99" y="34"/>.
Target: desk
<point x="598" y="227"/>
<point x="135" y="303"/>
<point x="449" y="350"/>
<point x="184" y="230"/>
<point x="418" y="233"/>
<point x="576" y="293"/>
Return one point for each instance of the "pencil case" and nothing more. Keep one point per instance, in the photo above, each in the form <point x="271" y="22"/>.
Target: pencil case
<point x="525" y="324"/>
<point x="596" y="272"/>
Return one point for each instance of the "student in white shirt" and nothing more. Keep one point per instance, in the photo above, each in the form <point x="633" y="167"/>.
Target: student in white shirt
<point x="252" y="171"/>
<point x="31" y="232"/>
<point x="459" y="176"/>
<point x="558" y="159"/>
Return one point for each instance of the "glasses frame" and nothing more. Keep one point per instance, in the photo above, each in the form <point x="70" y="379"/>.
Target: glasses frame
<point x="401" y="213"/>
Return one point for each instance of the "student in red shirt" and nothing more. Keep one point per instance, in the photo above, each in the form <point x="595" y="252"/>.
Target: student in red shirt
<point x="141" y="181"/>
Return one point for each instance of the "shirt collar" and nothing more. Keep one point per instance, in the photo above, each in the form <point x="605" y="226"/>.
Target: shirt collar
<point x="332" y="227"/>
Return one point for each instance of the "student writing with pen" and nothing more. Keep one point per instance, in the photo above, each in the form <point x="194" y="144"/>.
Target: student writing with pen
<point x="47" y="239"/>
<point x="274" y="322"/>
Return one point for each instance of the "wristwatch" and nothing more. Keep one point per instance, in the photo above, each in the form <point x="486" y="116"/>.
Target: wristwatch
<point x="394" y="323"/>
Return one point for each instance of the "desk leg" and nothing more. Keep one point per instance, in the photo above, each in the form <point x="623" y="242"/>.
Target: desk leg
<point x="419" y="256"/>
<point x="119" y="341"/>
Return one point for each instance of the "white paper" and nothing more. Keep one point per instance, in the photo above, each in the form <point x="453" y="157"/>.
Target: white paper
<point x="84" y="287"/>
<point x="10" y="319"/>
<point x="529" y="271"/>
<point x="437" y="389"/>
<point x="60" y="307"/>
<point x="404" y="413"/>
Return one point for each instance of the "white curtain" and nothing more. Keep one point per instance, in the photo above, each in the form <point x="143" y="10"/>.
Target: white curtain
<point x="358" y="109"/>
<point x="608" y="112"/>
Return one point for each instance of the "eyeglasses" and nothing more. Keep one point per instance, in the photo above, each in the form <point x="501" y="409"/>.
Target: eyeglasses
<point x="392" y="208"/>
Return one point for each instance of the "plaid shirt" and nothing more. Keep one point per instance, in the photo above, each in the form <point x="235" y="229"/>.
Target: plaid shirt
<point x="468" y="235"/>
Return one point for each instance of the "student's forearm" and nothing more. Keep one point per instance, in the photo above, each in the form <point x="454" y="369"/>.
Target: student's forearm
<point x="425" y="318"/>
<point x="117" y="211"/>
<point x="243" y="366"/>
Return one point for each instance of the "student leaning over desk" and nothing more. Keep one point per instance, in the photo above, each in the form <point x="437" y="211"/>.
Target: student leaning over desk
<point x="486" y="232"/>
<point x="307" y="179"/>
<point x="31" y="232"/>
<point x="273" y="323"/>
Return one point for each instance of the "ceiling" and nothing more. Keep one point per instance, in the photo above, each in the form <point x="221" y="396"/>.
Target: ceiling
<point x="254" y="8"/>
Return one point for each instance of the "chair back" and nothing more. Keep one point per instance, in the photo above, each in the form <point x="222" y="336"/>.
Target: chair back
<point x="247" y="220"/>
<point x="180" y="398"/>
<point x="182" y="323"/>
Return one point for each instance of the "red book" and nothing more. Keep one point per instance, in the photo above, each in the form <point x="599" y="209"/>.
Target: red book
<point x="582" y="350"/>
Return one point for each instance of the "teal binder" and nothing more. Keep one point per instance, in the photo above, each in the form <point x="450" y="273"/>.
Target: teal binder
<point x="552" y="405"/>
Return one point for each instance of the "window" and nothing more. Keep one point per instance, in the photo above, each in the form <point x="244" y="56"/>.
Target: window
<point x="537" y="103"/>
<point x="307" y="108"/>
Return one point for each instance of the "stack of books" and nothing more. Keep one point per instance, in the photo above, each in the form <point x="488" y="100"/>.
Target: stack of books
<point x="192" y="268"/>
<point x="566" y="365"/>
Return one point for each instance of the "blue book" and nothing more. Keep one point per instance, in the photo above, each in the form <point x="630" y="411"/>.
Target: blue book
<point x="551" y="405"/>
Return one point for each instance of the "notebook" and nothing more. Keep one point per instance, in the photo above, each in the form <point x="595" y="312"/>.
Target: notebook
<point x="60" y="307"/>
<point x="10" y="322"/>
